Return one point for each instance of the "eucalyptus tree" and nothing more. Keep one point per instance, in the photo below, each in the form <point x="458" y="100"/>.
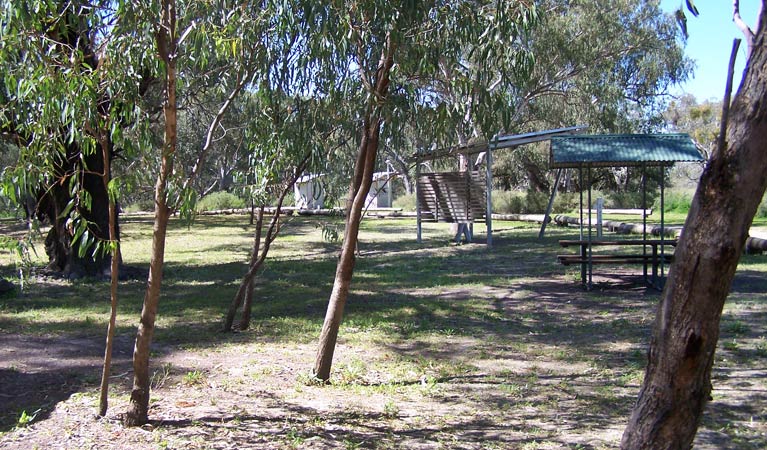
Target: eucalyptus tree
<point x="608" y="65"/>
<point x="699" y="119"/>
<point x="70" y="108"/>
<point x="84" y="80"/>
<point x="614" y="77"/>
<point x="677" y="381"/>
<point x="64" y="113"/>
<point x="199" y="44"/>
<point x="385" y="63"/>
<point x="288" y="137"/>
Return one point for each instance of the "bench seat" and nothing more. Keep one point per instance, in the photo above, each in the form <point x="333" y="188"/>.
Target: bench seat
<point x="566" y="260"/>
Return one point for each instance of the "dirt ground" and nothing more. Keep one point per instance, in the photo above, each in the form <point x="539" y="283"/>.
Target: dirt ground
<point x="250" y="398"/>
<point x="516" y="389"/>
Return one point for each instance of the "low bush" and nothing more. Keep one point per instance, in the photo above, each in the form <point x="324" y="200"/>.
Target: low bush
<point x="566" y="202"/>
<point x="628" y="200"/>
<point x="531" y="202"/>
<point x="675" y="201"/>
<point x="220" y="200"/>
<point x="405" y="201"/>
<point x="762" y="211"/>
<point x="508" y="202"/>
<point x="140" y="206"/>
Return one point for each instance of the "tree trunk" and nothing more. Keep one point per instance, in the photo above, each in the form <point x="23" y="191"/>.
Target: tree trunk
<point x="677" y="383"/>
<point x="62" y="252"/>
<point x="115" y="258"/>
<point x="345" y="267"/>
<point x="245" y="290"/>
<point x="137" y="413"/>
<point x="358" y="191"/>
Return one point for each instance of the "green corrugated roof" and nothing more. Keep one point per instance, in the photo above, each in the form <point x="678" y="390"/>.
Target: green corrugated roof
<point x="617" y="150"/>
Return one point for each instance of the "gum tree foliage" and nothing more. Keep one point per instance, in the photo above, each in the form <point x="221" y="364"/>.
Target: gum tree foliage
<point x="699" y="119"/>
<point x="677" y="382"/>
<point x="390" y="64"/>
<point x="62" y="110"/>
<point x="612" y="76"/>
<point x="230" y="47"/>
<point x="289" y="136"/>
<point x="608" y="65"/>
<point x="81" y="78"/>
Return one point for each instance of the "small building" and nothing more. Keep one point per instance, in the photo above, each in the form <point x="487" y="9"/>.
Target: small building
<point x="380" y="195"/>
<point x="309" y="192"/>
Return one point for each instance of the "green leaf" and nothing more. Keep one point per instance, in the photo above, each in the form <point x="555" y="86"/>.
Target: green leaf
<point x="691" y="7"/>
<point x="681" y="20"/>
<point x="67" y="209"/>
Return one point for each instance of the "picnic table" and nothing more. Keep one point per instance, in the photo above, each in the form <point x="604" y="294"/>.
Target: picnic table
<point x="655" y="258"/>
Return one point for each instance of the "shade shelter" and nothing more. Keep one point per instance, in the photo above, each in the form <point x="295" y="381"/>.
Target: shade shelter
<point x="584" y="152"/>
<point x="464" y="197"/>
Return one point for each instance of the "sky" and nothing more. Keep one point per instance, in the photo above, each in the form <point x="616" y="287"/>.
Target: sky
<point x="710" y="44"/>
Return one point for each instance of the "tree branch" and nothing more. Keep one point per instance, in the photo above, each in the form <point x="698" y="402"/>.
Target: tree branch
<point x="241" y="82"/>
<point x="748" y="34"/>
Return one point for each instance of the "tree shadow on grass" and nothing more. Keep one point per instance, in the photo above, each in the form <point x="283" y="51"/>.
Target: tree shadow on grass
<point x="292" y="424"/>
<point x="426" y="299"/>
<point x="36" y="373"/>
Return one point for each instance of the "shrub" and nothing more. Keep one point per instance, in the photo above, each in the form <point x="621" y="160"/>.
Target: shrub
<point x="405" y="201"/>
<point x="140" y="206"/>
<point x="627" y="200"/>
<point x="675" y="201"/>
<point x="507" y="202"/>
<point x="531" y="202"/>
<point x="762" y="211"/>
<point x="220" y="200"/>
<point x="566" y="202"/>
<point x="536" y="202"/>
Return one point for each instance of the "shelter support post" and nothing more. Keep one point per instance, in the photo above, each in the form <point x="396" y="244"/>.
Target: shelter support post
<point x="580" y="202"/>
<point x="662" y="217"/>
<point x="489" y="190"/>
<point x="644" y="216"/>
<point x="591" y="262"/>
<point x="417" y="202"/>
<point x="547" y="215"/>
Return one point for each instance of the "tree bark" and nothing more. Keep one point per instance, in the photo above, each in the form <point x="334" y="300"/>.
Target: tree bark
<point x="62" y="253"/>
<point x="677" y="383"/>
<point x="115" y="258"/>
<point x="246" y="286"/>
<point x="358" y="191"/>
<point x="244" y="294"/>
<point x="137" y="413"/>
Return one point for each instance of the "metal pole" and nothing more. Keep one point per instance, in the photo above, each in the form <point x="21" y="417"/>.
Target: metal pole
<point x="489" y="188"/>
<point x="662" y="216"/>
<point x="418" y="200"/>
<point x="644" y="220"/>
<point x="547" y="215"/>
<point x="590" y="260"/>
<point x="580" y="203"/>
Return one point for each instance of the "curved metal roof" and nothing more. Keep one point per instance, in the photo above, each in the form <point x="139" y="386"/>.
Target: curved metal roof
<point x="619" y="150"/>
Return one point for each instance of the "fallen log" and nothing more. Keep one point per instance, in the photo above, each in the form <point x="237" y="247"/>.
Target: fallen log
<point x="755" y="245"/>
<point x="622" y="227"/>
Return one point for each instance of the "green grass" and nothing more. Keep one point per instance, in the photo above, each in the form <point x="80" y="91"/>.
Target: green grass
<point x="502" y="332"/>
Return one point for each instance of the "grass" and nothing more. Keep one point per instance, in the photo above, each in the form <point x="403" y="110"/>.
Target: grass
<point x="458" y="339"/>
